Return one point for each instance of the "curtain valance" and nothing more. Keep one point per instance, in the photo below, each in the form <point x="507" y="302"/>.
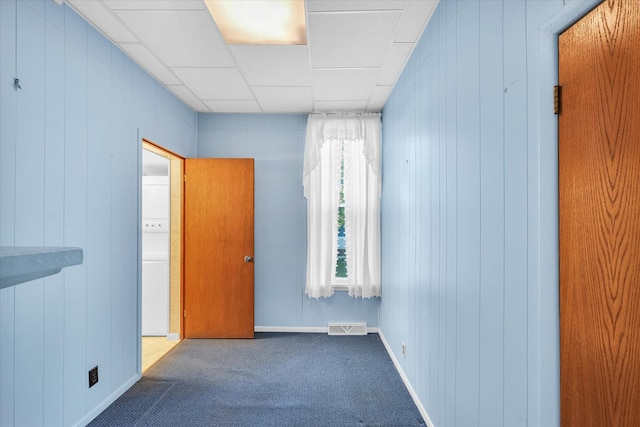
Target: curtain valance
<point x="324" y="127"/>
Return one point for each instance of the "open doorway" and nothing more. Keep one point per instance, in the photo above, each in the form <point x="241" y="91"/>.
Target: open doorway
<point x="161" y="304"/>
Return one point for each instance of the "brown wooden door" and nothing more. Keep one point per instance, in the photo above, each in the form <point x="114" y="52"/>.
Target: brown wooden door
<point x="599" y="186"/>
<point x="219" y="214"/>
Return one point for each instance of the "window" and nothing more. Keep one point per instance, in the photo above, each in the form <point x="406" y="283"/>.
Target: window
<point x="341" y="262"/>
<point x="342" y="186"/>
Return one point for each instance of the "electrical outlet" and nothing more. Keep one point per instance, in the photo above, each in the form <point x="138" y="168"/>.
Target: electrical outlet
<point x="404" y="350"/>
<point x="93" y="376"/>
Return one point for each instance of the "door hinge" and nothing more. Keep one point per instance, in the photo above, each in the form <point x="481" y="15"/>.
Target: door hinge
<point x="184" y="314"/>
<point x="557" y="99"/>
<point x="185" y="177"/>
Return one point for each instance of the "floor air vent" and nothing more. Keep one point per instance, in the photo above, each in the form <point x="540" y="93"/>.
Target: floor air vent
<point x="347" y="329"/>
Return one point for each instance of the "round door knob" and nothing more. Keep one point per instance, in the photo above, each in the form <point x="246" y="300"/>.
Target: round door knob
<point x="248" y="259"/>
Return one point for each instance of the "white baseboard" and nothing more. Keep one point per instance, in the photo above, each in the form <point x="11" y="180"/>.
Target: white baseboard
<point x="305" y="329"/>
<point x="302" y="329"/>
<point x="173" y="337"/>
<point x="406" y="382"/>
<point x="108" y="401"/>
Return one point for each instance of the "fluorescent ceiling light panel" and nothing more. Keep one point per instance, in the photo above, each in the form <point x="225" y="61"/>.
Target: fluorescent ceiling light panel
<point x="260" y="21"/>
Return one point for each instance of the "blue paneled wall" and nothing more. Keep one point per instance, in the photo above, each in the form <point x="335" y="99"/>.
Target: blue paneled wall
<point x="469" y="213"/>
<point x="69" y="176"/>
<point x="276" y="142"/>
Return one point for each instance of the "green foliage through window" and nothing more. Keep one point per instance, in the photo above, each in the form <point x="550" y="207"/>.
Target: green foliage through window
<point x="341" y="264"/>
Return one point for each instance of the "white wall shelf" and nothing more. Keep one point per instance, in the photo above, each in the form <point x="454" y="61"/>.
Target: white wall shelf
<point x="20" y="264"/>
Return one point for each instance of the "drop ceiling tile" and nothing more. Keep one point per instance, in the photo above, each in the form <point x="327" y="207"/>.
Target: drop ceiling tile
<point x="343" y="84"/>
<point x="154" y="4"/>
<point x="351" y="39"/>
<point x="100" y="17"/>
<point x="141" y="55"/>
<point x="269" y="65"/>
<point x="351" y="47"/>
<point x="339" y="106"/>
<point x="346" y="5"/>
<point x="414" y="19"/>
<point x="215" y="83"/>
<point x="283" y="99"/>
<point x="233" y="106"/>
<point x="393" y="65"/>
<point x="379" y="97"/>
<point x="179" y="37"/>
<point x="189" y="98"/>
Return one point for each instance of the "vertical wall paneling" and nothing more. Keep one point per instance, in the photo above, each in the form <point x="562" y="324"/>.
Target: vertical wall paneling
<point x="276" y="142"/>
<point x="99" y="170"/>
<point x="482" y="234"/>
<point x="8" y="95"/>
<point x="29" y="366"/>
<point x="131" y="161"/>
<point x="54" y="148"/>
<point x="468" y="200"/>
<point x="7" y="357"/>
<point x="424" y="218"/>
<point x="29" y="224"/>
<point x="121" y="213"/>
<point x="542" y="286"/>
<point x="69" y="177"/>
<point x="491" y="215"/>
<point x="8" y="101"/>
<point x="30" y="139"/>
<point x="54" y="219"/>
<point x="516" y="214"/>
<point x="451" y="141"/>
<point x="438" y="386"/>
<point x="411" y="250"/>
<point x="421" y="334"/>
<point x="124" y="219"/>
<point x="437" y="170"/>
<point x="75" y="226"/>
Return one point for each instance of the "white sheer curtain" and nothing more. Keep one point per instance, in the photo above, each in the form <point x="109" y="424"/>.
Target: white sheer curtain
<point x="330" y="138"/>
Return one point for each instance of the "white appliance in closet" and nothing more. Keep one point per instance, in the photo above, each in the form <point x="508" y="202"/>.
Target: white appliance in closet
<point x="155" y="255"/>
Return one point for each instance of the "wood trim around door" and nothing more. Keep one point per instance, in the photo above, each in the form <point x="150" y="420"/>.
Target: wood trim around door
<point x="176" y="262"/>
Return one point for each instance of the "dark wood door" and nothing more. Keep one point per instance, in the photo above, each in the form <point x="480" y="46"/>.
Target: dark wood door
<point x="219" y="220"/>
<point x="599" y="188"/>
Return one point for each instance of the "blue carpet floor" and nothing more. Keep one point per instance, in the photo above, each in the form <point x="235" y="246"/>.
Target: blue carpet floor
<point x="276" y="379"/>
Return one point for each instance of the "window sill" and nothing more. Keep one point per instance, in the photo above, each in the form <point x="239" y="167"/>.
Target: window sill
<point x="340" y="285"/>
